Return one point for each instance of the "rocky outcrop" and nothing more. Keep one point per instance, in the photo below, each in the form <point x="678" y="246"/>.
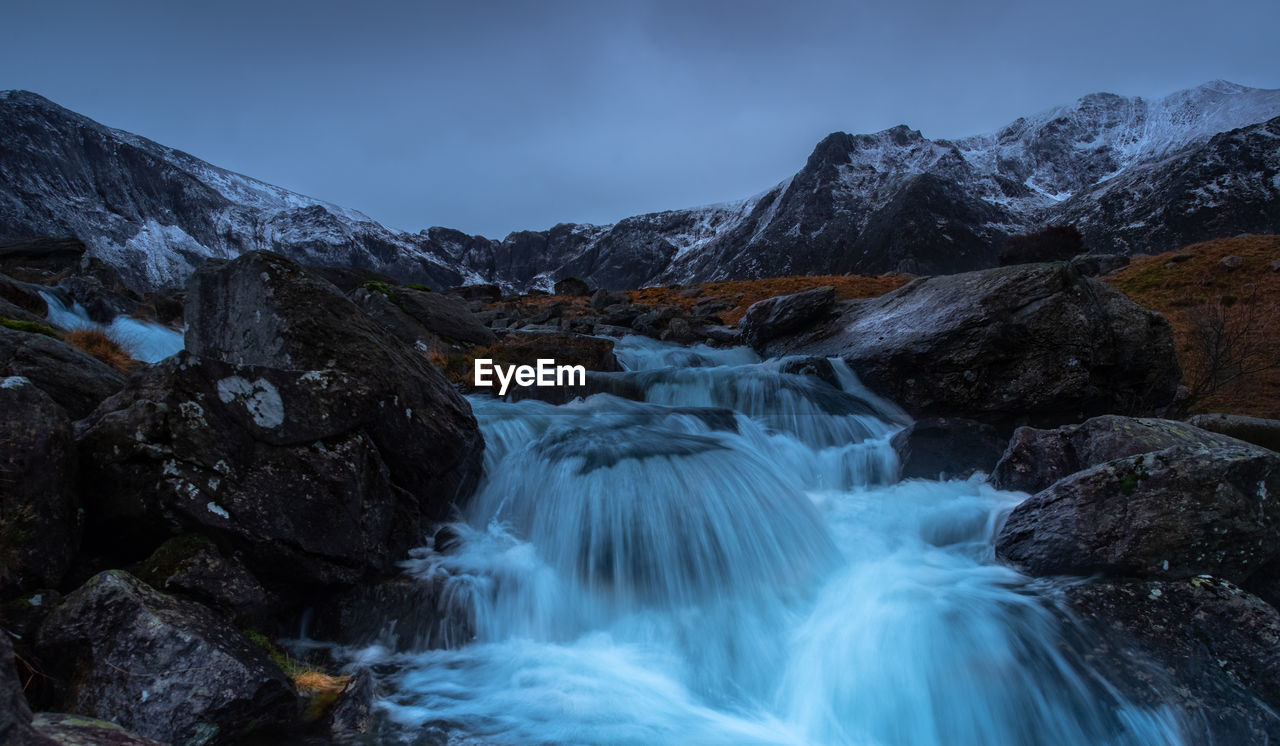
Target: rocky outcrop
<point x="786" y="314"/>
<point x="1256" y="430"/>
<point x="163" y="668"/>
<point x="265" y="310"/>
<point x="1201" y="646"/>
<point x="23" y="296"/>
<point x="76" y="381"/>
<point x="292" y="469"/>
<point x="423" y="320"/>
<point x="39" y="502"/>
<point x="1037" y="458"/>
<point x="1032" y="344"/>
<point x="1175" y="513"/>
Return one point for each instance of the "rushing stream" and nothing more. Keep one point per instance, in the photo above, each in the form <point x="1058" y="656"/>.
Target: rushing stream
<point x="732" y="561"/>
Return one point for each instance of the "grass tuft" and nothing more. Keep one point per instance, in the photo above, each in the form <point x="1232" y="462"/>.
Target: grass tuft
<point x="30" y="327"/>
<point x="103" y="346"/>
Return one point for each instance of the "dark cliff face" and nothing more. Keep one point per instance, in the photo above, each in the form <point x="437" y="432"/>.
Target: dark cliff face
<point x="1133" y="175"/>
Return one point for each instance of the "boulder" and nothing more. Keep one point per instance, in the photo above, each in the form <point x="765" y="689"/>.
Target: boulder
<point x="1036" y="344"/>
<point x="476" y="292"/>
<point x="421" y="319"/>
<point x="164" y="668"/>
<point x="602" y="299"/>
<point x="1093" y="265"/>
<point x="946" y="448"/>
<point x="15" y="713"/>
<point x="347" y="279"/>
<point x="1175" y="513"/>
<point x="313" y="477"/>
<point x="1037" y="458"/>
<point x="1231" y="263"/>
<point x="1201" y="646"/>
<point x="1256" y="430"/>
<point x="262" y="309"/>
<point x="352" y="714"/>
<point x="193" y="567"/>
<point x="76" y="381"/>
<point x="39" y="503"/>
<point x="786" y="314"/>
<point x="41" y="259"/>
<point x="23" y="296"/>
<point x="572" y="287"/>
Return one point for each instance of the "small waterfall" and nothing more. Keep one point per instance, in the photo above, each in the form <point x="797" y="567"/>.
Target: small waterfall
<point x="144" y="340"/>
<point x="733" y="561"/>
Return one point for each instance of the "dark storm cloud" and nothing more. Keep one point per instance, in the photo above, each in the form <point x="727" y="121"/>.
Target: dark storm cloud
<point x="491" y="117"/>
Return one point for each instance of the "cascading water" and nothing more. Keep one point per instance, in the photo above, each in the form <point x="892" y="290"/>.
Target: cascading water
<point x="733" y="561"/>
<point x="144" y="340"/>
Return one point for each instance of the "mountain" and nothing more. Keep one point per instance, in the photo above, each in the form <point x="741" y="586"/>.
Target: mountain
<point x="1135" y="176"/>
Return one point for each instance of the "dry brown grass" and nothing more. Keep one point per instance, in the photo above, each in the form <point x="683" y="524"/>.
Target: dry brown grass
<point x="103" y="346"/>
<point x="740" y="294"/>
<point x="1198" y="287"/>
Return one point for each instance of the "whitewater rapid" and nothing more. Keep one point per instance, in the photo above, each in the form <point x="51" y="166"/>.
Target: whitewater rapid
<point x="731" y="561"/>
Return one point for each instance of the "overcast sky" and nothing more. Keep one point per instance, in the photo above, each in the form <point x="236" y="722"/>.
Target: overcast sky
<point x="498" y="116"/>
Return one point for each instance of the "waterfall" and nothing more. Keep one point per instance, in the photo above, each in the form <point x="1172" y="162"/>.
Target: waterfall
<point x="733" y="561"/>
<point x="143" y="340"/>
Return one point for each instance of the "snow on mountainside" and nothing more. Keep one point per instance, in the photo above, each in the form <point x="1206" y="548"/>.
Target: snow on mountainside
<point x="1134" y="175"/>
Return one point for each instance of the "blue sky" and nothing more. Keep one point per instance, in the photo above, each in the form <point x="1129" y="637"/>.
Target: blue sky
<point x="497" y="116"/>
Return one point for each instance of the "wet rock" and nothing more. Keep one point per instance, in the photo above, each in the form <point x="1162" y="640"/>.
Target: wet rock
<point x="164" y="668"/>
<point x="651" y="323"/>
<point x="1037" y="458"/>
<point x="76" y="381"/>
<point x="1256" y="430"/>
<point x="572" y="287"/>
<point x="817" y="367"/>
<point x="786" y="314"/>
<point x="1036" y="344"/>
<point x="101" y="302"/>
<point x="78" y="730"/>
<point x="623" y="314"/>
<point x="352" y="715"/>
<point x="302" y="473"/>
<point x="23" y="296"/>
<point x="192" y="567"/>
<point x="1202" y="646"/>
<point x="679" y="330"/>
<point x="39" y="502"/>
<point x="947" y="448"/>
<point x="400" y="613"/>
<point x="1174" y="513"/>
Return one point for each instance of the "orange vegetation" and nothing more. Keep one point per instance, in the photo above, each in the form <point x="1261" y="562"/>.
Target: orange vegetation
<point x="103" y="346"/>
<point x="1193" y="290"/>
<point x="740" y="294"/>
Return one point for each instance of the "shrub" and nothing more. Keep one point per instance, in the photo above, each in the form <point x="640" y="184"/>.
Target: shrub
<point x="377" y="286"/>
<point x="103" y="346"/>
<point x="417" y="286"/>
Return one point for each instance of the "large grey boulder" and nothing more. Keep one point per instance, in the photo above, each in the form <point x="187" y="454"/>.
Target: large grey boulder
<point x="75" y="380"/>
<point x="39" y="502"/>
<point x="1036" y="458"/>
<point x="166" y="669"/>
<point x="1035" y="344"/>
<point x="1176" y="513"/>
<point x="422" y="319"/>
<point x="302" y="473"/>
<point x="264" y="310"/>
